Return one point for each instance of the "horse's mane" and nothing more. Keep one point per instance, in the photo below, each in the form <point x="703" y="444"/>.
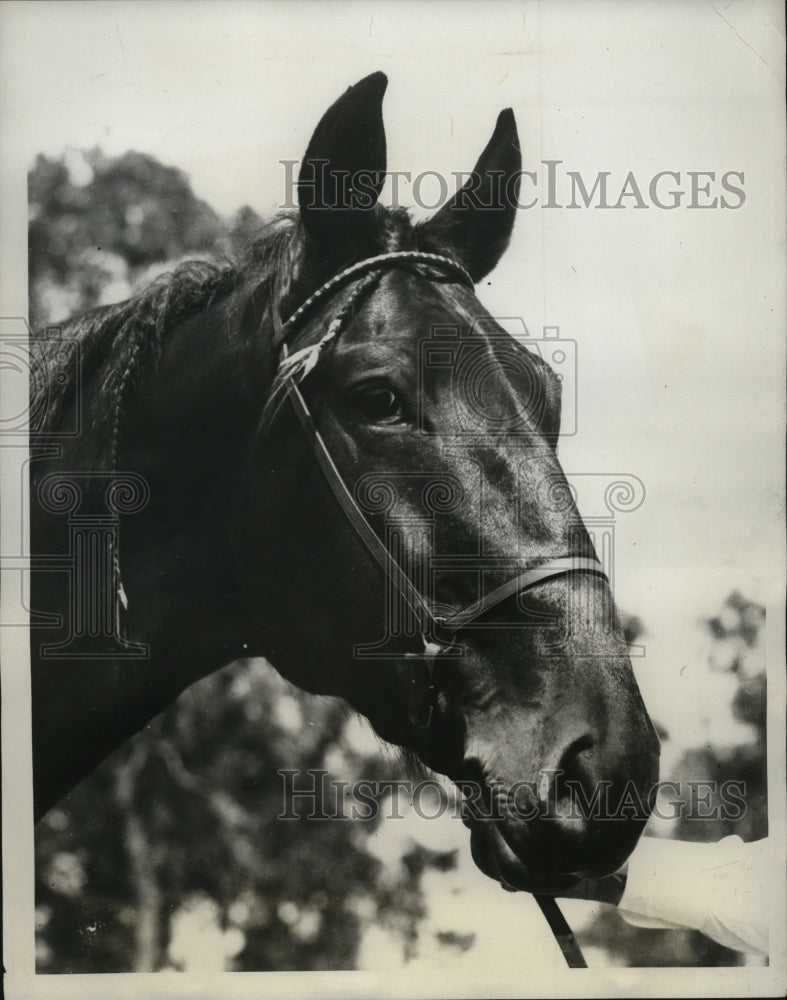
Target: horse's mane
<point x="134" y="329"/>
<point x="115" y="342"/>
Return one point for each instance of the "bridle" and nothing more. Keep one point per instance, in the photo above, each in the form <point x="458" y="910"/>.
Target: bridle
<point x="438" y="633"/>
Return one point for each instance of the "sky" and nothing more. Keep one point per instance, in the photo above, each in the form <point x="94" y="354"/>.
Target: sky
<point x="677" y="315"/>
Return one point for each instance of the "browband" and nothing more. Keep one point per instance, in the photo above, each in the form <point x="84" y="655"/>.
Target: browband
<point x="284" y="331"/>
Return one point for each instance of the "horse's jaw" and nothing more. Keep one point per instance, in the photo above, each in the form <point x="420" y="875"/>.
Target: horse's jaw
<point x="497" y="859"/>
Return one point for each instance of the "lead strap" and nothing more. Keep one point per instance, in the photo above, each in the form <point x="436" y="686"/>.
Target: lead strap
<point x="562" y="932"/>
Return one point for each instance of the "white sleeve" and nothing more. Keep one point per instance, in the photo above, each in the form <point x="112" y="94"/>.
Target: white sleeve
<point x="720" y="889"/>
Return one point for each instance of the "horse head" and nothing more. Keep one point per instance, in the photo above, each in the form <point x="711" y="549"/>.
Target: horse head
<point x="408" y="539"/>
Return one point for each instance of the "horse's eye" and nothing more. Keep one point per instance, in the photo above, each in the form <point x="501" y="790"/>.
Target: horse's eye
<point x="378" y="404"/>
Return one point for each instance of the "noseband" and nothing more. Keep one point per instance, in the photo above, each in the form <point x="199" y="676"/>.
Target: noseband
<point x="438" y="633"/>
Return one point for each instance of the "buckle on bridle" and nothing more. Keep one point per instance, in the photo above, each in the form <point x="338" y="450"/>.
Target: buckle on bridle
<point x="422" y="685"/>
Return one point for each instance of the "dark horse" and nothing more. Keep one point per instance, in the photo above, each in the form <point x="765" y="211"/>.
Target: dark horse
<point x="325" y="443"/>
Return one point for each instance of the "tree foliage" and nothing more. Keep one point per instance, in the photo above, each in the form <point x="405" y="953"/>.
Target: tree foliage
<point x="187" y="813"/>
<point x="101" y="226"/>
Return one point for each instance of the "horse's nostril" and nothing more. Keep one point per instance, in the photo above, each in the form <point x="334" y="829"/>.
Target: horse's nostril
<point x="577" y="760"/>
<point x="563" y="791"/>
<point x="574" y="764"/>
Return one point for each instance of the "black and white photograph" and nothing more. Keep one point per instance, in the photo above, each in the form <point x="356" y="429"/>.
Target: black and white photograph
<point x="392" y="424"/>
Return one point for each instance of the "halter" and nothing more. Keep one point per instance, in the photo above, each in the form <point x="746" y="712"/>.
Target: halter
<point x="438" y="633"/>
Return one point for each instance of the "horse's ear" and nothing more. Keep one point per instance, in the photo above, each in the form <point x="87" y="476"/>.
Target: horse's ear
<point x="343" y="170"/>
<point x="477" y="222"/>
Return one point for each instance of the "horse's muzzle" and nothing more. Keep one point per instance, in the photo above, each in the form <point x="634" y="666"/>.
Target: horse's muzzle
<point x="578" y="819"/>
